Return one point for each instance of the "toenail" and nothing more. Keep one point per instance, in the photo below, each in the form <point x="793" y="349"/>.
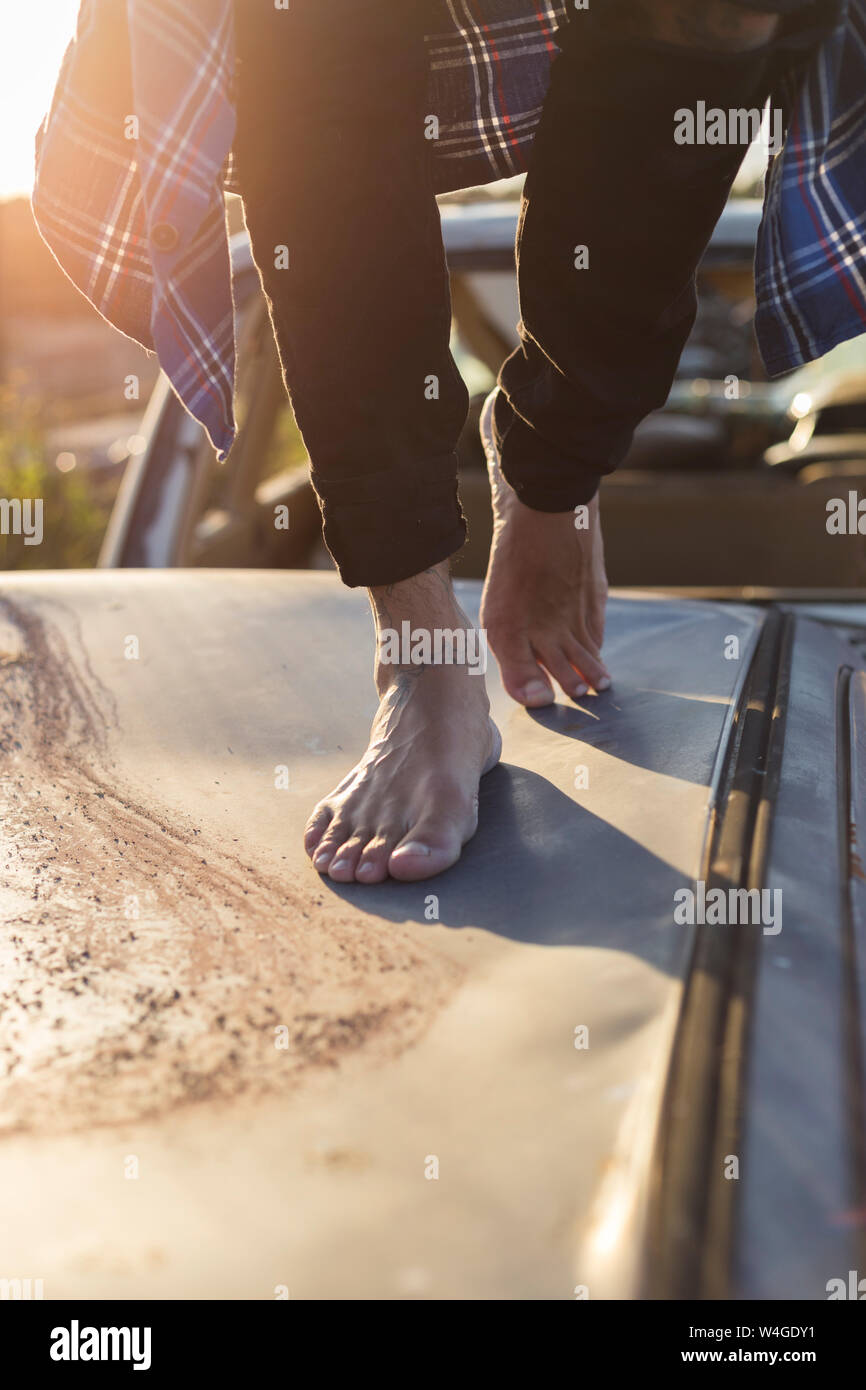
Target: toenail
<point x="580" y="690"/>
<point x="603" y="684"/>
<point x="340" y="864"/>
<point x="366" y="870"/>
<point x="413" y="847"/>
<point x="321" y="859"/>
<point x="536" y="689"/>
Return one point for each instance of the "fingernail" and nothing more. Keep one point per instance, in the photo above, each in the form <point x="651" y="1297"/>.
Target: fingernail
<point x="603" y="684"/>
<point x="413" y="847"/>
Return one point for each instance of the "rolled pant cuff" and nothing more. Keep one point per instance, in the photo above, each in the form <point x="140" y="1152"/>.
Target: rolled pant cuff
<point x="387" y="527"/>
<point x="543" y="477"/>
<point x="548" y="499"/>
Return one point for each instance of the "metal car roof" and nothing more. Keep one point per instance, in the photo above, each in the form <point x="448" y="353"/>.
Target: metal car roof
<point x="434" y="1021"/>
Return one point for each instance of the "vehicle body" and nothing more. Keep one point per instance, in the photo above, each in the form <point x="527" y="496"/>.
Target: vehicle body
<point x="533" y="1077"/>
<point x="522" y="1079"/>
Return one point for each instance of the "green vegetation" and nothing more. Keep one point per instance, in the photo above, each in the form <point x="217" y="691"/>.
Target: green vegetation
<point x="75" y="505"/>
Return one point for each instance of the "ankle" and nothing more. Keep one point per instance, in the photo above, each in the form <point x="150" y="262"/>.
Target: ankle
<point x="420" y="627"/>
<point x="419" y="605"/>
<point x="426" y="595"/>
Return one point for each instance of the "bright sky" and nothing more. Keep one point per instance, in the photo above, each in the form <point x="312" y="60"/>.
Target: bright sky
<point x="33" y="35"/>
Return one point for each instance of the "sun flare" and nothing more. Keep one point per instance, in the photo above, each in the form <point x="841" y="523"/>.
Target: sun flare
<point x="32" y="40"/>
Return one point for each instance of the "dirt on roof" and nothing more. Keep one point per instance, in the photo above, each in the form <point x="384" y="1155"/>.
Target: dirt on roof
<point x="146" y="966"/>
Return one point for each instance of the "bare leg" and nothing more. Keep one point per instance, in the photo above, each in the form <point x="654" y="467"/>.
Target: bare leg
<point x="545" y="595"/>
<point x="546" y="590"/>
<point x="411" y="803"/>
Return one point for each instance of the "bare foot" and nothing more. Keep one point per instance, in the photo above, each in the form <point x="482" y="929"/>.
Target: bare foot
<point x="411" y="803"/>
<point x="545" y="596"/>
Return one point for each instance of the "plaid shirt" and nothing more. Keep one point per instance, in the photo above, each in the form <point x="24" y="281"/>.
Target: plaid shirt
<point x="132" y="205"/>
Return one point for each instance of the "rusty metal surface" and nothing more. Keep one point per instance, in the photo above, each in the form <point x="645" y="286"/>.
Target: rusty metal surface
<point x="160" y="924"/>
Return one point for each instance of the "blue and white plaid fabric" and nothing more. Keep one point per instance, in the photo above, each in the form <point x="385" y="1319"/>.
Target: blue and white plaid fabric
<point x="134" y="211"/>
<point x="810" y="274"/>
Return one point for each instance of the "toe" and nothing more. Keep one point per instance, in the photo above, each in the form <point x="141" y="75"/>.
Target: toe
<point x="433" y="845"/>
<point x="522" y="676"/>
<point x="373" y="864"/>
<point x="334" y="837"/>
<point x="316" y="827"/>
<point x="415" y="859"/>
<point x="559" y="666"/>
<point x="591" y="668"/>
<point x="342" y="866"/>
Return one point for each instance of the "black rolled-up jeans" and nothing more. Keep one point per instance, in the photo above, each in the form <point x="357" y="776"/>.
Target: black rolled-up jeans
<point x="334" y="167"/>
<point x="333" y="164"/>
<point x="599" y="344"/>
